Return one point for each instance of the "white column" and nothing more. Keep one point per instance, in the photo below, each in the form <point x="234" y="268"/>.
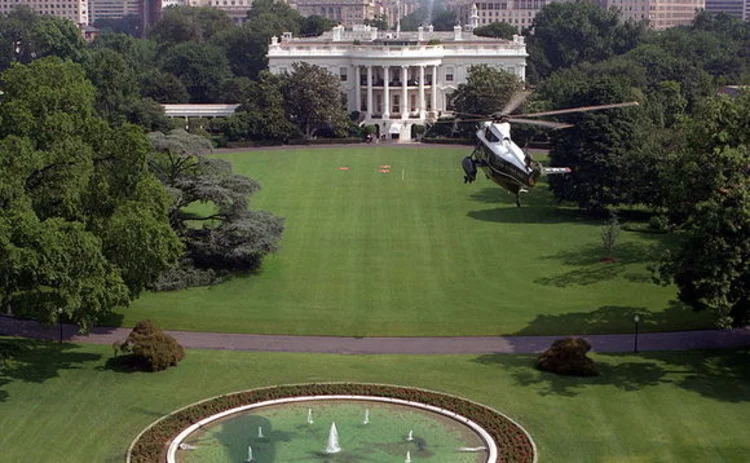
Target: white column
<point x="434" y="88"/>
<point x="421" y="93"/>
<point x="358" y="89"/>
<point x="404" y="92"/>
<point x="386" y="93"/>
<point x="369" y="92"/>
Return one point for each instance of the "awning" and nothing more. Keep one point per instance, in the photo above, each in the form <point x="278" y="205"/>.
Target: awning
<point x="395" y="128"/>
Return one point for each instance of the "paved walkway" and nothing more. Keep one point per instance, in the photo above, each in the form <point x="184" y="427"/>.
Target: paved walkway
<point x="679" y="340"/>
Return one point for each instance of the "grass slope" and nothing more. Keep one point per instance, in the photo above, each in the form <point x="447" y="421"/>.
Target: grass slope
<point x="61" y="404"/>
<point x="417" y="252"/>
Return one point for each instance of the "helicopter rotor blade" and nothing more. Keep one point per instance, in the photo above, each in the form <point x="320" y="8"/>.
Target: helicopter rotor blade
<point x="549" y="124"/>
<point x="581" y="109"/>
<point x="515" y="101"/>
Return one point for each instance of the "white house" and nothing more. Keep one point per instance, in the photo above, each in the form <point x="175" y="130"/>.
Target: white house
<point x="397" y="79"/>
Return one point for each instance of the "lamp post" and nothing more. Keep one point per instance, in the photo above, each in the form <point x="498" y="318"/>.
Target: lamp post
<point x="636" y="319"/>
<point x="59" y="319"/>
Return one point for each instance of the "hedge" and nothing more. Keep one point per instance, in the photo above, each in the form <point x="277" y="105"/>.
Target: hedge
<point x="514" y="445"/>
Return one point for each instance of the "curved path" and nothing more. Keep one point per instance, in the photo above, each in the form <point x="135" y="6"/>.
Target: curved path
<point x="678" y="340"/>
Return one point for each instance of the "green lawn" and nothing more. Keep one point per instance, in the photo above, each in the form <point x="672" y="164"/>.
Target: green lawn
<point x="417" y="252"/>
<point x="62" y="404"/>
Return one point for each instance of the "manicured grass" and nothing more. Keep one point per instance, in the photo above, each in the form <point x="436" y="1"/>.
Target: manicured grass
<point x="61" y="403"/>
<point x="417" y="252"/>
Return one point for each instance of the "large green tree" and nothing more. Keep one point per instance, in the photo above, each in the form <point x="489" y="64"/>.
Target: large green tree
<point x="566" y="34"/>
<point x="201" y="67"/>
<point x="601" y="148"/>
<point x="313" y="99"/>
<point x="84" y="225"/>
<point x="180" y="24"/>
<point x="486" y="90"/>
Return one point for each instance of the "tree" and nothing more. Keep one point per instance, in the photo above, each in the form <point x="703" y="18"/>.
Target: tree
<point x="500" y="29"/>
<point x="181" y="24"/>
<point x="26" y="36"/>
<point x="201" y="67"/>
<point x="711" y="267"/>
<point x="84" y="225"/>
<point x="163" y="87"/>
<point x="246" y="50"/>
<point x="609" y="233"/>
<point x="115" y="82"/>
<point x="486" y="90"/>
<point x="445" y="20"/>
<point x="314" y="25"/>
<point x="566" y="34"/>
<point x="313" y="99"/>
<point x="602" y="146"/>
<point x="233" y="237"/>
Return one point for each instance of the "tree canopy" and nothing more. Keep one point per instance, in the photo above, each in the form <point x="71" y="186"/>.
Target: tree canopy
<point x="84" y="225"/>
<point x="500" y="29"/>
<point x="486" y="90"/>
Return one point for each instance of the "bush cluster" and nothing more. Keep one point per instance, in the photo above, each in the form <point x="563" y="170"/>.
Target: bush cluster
<point x="513" y="443"/>
<point x="568" y="357"/>
<point x="149" y="348"/>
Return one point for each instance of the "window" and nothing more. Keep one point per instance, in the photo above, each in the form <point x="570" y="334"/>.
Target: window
<point x="396" y="104"/>
<point x="344" y="74"/>
<point x="449" y="74"/>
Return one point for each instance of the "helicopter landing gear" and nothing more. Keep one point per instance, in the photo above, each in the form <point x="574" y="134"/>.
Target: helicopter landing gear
<point x="470" y="169"/>
<point x="518" y="196"/>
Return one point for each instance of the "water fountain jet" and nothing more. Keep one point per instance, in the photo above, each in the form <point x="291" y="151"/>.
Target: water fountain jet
<point x="249" y="453"/>
<point x="260" y="432"/>
<point x="333" y="440"/>
<point x="408" y="457"/>
<point x="309" y="416"/>
<point x="367" y="416"/>
<point x="411" y="436"/>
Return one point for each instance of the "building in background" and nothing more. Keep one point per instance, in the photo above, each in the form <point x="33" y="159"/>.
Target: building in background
<point x="74" y="10"/>
<point x="660" y="14"/>
<point x="346" y="12"/>
<point x="113" y="9"/>
<point x="236" y="9"/>
<point x="518" y="13"/>
<point x="396" y="80"/>
<point x="736" y="8"/>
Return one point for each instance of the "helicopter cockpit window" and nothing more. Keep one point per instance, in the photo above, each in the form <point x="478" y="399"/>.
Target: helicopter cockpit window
<point x="490" y="135"/>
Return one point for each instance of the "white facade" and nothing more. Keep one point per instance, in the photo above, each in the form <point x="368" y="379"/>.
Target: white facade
<point x="395" y="79"/>
<point x="74" y="10"/>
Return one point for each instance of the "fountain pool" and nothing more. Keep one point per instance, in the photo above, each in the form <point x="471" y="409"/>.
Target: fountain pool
<point x="288" y="436"/>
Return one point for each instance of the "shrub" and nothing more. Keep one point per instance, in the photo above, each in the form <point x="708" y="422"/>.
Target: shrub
<point x="434" y="42"/>
<point x="417" y="130"/>
<point x="659" y="223"/>
<point x="149" y="348"/>
<point x="568" y="357"/>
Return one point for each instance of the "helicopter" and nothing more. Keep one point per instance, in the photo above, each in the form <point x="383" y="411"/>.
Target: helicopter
<point x="503" y="161"/>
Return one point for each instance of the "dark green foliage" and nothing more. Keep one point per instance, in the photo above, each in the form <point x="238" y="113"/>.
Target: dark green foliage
<point x="233" y="238"/>
<point x="515" y="443"/>
<point x="568" y="357"/>
<point x="163" y="87"/>
<point x="707" y="191"/>
<point x="486" y="90"/>
<point x="314" y="25"/>
<point x="148" y="348"/>
<point x="313" y="99"/>
<point x="602" y="148"/>
<point x="381" y="22"/>
<point x="180" y="24"/>
<point x="201" y="67"/>
<point x="567" y="34"/>
<point x="84" y="225"/>
<point x="500" y="29"/>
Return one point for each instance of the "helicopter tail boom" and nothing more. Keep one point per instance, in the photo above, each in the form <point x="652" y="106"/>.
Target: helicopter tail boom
<point x="555" y="170"/>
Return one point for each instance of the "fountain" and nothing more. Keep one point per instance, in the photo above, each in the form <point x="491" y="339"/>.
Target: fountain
<point x="309" y="416"/>
<point x="411" y="436"/>
<point x="408" y="457"/>
<point x="333" y="440"/>
<point x="249" y="453"/>
<point x="367" y="416"/>
<point x="260" y="432"/>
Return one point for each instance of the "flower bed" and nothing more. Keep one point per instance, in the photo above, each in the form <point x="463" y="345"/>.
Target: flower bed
<point x="514" y="444"/>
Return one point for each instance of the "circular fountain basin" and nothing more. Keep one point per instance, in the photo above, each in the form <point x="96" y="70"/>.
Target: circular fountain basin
<point x="287" y="435"/>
